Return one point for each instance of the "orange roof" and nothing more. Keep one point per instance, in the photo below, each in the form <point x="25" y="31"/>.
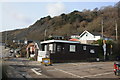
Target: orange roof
<point x="74" y="40"/>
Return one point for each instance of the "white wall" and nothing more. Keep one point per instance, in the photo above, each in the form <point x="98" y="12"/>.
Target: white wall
<point x="89" y="37"/>
<point x="75" y="36"/>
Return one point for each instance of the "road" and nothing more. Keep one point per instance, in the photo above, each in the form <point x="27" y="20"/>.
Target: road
<point x="25" y="69"/>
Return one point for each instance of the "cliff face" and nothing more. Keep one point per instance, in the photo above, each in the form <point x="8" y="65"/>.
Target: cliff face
<point x="67" y="24"/>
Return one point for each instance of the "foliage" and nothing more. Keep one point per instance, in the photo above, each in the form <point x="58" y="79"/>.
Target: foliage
<point x="32" y="58"/>
<point x="100" y="42"/>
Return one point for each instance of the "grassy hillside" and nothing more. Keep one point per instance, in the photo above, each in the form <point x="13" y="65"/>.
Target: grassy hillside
<point x="68" y="24"/>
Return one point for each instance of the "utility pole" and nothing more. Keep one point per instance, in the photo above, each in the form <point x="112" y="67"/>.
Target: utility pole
<point x="45" y="34"/>
<point x="102" y="27"/>
<point x="116" y="29"/>
<point x="6" y="37"/>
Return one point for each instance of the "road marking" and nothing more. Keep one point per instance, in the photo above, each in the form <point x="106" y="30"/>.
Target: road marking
<point x="34" y="70"/>
<point x="97" y="75"/>
<point x="83" y="76"/>
<point x="51" y="70"/>
<point x="68" y="72"/>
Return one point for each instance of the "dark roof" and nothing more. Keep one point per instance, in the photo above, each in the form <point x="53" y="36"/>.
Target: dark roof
<point x="56" y="36"/>
<point x="96" y="34"/>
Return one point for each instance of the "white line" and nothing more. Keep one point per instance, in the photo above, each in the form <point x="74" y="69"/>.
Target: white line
<point x="68" y="73"/>
<point x="97" y="75"/>
<point x="83" y="76"/>
<point x="36" y="72"/>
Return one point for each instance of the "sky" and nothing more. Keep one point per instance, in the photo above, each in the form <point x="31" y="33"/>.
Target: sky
<point x="18" y="15"/>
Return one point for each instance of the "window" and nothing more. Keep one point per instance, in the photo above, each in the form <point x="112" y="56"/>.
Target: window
<point x="84" y="48"/>
<point x="51" y="48"/>
<point x="58" y="48"/>
<point x="92" y="51"/>
<point x="45" y="47"/>
<point x="72" y="48"/>
<point x="86" y="34"/>
<point x="54" y="47"/>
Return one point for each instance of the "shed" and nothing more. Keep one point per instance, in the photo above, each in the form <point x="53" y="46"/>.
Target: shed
<point x="61" y="50"/>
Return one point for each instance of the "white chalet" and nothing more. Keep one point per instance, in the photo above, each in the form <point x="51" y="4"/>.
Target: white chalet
<point x="87" y="37"/>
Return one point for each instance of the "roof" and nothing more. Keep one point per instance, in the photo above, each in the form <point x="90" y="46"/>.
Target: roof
<point x="93" y="33"/>
<point x="96" y="34"/>
<point x="56" y="36"/>
<point x="60" y="41"/>
<point x="84" y="33"/>
<point x="74" y="40"/>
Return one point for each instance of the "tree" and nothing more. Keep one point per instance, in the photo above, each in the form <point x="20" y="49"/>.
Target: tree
<point x="83" y="23"/>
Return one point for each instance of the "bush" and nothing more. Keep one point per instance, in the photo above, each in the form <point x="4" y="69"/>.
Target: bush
<point x="32" y="58"/>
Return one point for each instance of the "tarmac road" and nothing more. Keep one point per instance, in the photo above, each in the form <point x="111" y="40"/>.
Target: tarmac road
<point x="95" y="70"/>
<point x="23" y="68"/>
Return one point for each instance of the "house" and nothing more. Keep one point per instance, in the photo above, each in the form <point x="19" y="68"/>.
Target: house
<point x="75" y="36"/>
<point x="32" y="49"/>
<point x="18" y="41"/>
<point x="56" y="37"/>
<point x="62" y="50"/>
<point x="87" y="37"/>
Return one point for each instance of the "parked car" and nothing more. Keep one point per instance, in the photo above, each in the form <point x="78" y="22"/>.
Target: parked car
<point x="117" y="68"/>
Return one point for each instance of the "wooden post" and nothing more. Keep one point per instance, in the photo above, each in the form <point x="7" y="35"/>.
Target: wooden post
<point x="102" y="28"/>
<point x="116" y="29"/>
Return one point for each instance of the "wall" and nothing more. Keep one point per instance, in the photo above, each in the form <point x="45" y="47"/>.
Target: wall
<point x="82" y="52"/>
<point x="88" y="36"/>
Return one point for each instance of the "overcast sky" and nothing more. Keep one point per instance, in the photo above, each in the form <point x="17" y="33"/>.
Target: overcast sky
<point x="17" y="15"/>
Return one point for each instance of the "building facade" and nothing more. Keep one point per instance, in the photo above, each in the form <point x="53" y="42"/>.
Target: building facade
<point x="88" y="38"/>
<point x="61" y="50"/>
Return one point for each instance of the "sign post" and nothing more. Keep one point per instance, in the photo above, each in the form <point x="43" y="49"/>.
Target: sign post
<point x="104" y="49"/>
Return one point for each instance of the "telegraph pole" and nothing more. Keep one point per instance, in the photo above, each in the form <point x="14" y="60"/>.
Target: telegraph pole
<point x="6" y="37"/>
<point x="102" y="27"/>
<point x="116" y="29"/>
<point x="45" y="34"/>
